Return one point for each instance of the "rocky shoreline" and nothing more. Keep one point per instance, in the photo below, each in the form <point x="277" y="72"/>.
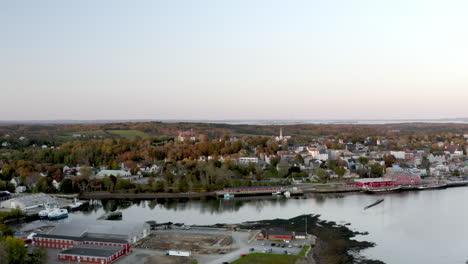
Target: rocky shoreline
<point x="334" y="244"/>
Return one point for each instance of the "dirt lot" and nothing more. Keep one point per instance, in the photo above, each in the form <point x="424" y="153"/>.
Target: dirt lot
<point x="204" y="244"/>
<point x="194" y="242"/>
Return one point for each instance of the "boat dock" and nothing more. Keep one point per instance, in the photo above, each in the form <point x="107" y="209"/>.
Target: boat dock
<point x="258" y="191"/>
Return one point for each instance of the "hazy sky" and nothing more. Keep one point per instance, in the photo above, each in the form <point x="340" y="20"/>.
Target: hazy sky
<point x="242" y="59"/>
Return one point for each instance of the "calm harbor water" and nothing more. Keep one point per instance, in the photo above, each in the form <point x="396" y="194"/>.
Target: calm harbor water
<point x="409" y="227"/>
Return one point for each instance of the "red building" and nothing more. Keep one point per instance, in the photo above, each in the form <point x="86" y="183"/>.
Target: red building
<point x="275" y="235"/>
<point x="375" y="182"/>
<point x="404" y="179"/>
<point x="77" y="248"/>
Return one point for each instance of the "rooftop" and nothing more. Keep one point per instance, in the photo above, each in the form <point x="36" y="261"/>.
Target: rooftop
<point x="33" y="199"/>
<point x="92" y="251"/>
<point x="84" y="238"/>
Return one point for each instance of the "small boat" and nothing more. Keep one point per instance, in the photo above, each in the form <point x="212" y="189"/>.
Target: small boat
<point x="44" y="214"/>
<point x="75" y="205"/>
<point x="373" y="204"/>
<point x="228" y="196"/>
<point x="276" y="193"/>
<point x="49" y="207"/>
<point x="381" y="190"/>
<point x="58" y="214"/>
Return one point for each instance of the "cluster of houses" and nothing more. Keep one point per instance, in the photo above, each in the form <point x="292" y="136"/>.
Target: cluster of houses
<point x="448" y="160"/>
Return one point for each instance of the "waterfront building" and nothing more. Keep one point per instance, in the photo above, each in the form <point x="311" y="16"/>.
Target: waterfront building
<point x="26" y="202"/>
<point x="87" y="248"/>
<point x="374" y="182"/>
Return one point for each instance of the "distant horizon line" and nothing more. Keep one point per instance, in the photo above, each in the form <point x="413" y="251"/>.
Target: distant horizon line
<point x="236" y="121"/>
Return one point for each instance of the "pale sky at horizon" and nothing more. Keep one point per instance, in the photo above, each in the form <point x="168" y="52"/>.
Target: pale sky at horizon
<point x="242" y="59"/>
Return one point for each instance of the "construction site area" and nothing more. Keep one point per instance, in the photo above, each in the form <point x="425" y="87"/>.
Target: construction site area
<point x="194" y="241"/>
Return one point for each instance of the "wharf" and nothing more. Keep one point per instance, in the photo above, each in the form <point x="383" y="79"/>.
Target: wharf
<point x="261" y="191"/>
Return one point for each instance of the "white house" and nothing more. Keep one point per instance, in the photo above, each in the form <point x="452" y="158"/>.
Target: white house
<point x="15" y="181"/>
<point x="56" y="184"/>
<point x="398" y="154"/>
<point x="117" y="173"/>
<point x="247" y="160"/>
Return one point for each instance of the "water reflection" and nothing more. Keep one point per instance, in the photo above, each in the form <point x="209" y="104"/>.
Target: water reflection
<point x="417" y="225"/>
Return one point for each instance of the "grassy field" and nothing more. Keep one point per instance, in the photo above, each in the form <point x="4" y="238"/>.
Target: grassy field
<point x="303" y="251"/>
<point x="128" y="133"/>
<point x="260" y="258"/>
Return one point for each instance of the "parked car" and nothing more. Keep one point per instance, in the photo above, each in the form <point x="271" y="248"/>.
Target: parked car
<point x="273" y="244"/>
<point x="252" y="249"/>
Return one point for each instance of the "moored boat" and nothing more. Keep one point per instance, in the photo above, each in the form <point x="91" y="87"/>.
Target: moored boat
<point x="381" y="190"/>
<point x="75" y="205"/>
<point x="228" y="196"/>
<point x="57" y="214"/>
<point x="433" y="186"/>
<point x="49" y="207"/>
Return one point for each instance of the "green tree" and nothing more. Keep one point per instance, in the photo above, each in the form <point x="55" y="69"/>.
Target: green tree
<point x="3" y="251"/>
<point x="363" y="160"/>
<point x="66" y="186"/>
<point x="45" y="185"/>
<point x="376" y="170"/>
<point x="274" y="161"/>
<point x="322" y="174"/>
<point x="86" y="171"/>
<point x="124" y="185"/>
<point x="17" y="252"/>
<point x="299" y="159"/>
<point x="340" y="171"/>
<point x="38" y="256"/>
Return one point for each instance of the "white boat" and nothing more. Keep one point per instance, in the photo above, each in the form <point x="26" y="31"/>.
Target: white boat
<point x="228" y="196"/>
<point x="58" y="214"/>
<point x="49" y="207"/>
<point x="75" y="205"/>
<point x="276" y="193"/>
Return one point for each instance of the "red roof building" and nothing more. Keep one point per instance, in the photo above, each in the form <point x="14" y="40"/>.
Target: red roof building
<point x="374" y="182"/>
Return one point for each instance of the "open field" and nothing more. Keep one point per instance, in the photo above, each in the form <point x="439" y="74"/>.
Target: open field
<point x="261" y="258"/>
<point x="128" y="133"/>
